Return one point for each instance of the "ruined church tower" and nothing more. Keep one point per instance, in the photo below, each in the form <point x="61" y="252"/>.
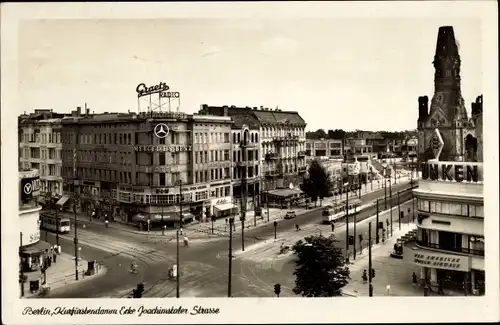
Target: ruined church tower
<point x="447" y="111"/>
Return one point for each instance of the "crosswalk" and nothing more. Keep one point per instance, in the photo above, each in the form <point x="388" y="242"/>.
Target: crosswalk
<point x="117" y="246"/>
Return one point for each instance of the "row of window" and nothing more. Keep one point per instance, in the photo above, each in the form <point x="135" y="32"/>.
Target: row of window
<point x="458" y="209"/>
<point x="50" y="170"/>
<point x="284" y="150"/>
<point x="99" y="174"/>
<point x="37" y="153"/>
<point x="201" y="157"/>
<point x="252" y="171"/>
<point x="277" y="131"/>
<point x="54" y="137"/>
<point x="212" y="137"/>
<point x="204" y="176"/>
<point x="451" y="241"/>
<point x="254" y="137"/>
<point x="252" y="155"/>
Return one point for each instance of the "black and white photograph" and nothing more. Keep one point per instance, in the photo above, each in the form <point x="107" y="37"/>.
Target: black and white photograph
<point x="273" y="153"/>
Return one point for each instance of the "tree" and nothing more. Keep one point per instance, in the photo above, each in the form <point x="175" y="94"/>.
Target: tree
<point x="317" y="183"/>
<point x="320" y="270"/>
<point x="336" y="134"/>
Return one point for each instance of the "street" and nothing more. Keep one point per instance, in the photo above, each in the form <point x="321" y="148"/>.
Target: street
<point x="203" y="268"/>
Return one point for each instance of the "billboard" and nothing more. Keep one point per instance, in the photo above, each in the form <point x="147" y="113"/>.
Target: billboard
<point x="30" y="187"/>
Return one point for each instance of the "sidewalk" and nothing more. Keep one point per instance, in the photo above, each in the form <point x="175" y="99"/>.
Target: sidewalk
<point x="61" y="274"/>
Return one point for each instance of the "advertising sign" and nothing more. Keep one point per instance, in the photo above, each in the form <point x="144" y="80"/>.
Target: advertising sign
<point x="162" y="148"/>
<point x="30" y="187"/>
<point x="438" y="260"/>
<point x="452" y="171"/>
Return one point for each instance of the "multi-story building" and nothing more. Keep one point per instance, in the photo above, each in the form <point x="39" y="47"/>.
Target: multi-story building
<point x="135" y="166"/>
<point x="358" y="147"/>
<point x="331" y="148"/>
<point x="40" y="148"/>
<point x="246" y="171"/>
<point x="283" y="139"/>
<point x="450" y="221"/>
<point x="32" y="248"/>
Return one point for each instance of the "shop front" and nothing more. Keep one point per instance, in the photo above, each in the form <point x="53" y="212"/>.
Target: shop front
<point x="451" y="271"/>
<point x="168" y="218"/>
<point x="223" y="207"/>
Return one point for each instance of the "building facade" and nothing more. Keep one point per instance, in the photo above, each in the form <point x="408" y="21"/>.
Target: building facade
<point x="140" y="167"/>
<point x="331" y="148"/>
<point x="450" y="207"/>
<point x="40" y="148"/>
<point x="31" y="247"/>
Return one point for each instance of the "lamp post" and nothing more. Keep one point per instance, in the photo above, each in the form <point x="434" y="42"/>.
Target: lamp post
<point x="347" y="220"/>
<point x="179" y="183"/>
<point x="57" y="220"/>
<point x="244" y="189"/>
<point x="377" y="227"/>
<point x="230" y="255"/>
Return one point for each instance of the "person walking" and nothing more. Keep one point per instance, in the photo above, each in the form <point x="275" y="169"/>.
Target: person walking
<point x="333" y="227"/>
<point x="364" y="277"/>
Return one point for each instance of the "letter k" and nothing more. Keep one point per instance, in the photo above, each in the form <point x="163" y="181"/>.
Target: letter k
<point x="445" y="170"/>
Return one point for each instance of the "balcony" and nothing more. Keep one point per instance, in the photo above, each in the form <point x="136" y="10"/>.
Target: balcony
<point x="463" y="250"/>
<point x="271" y="173"/>
<point x="301" y="153"/>
<point x="302" y="169"/>
<point x="271" y="156"/>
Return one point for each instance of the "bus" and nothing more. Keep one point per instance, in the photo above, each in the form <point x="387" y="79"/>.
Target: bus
<point x="49" y="222"/>
<point x="337" y="211"/>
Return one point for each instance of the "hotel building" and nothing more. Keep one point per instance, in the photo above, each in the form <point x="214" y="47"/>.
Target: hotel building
<point x="140" y="167"/>
<point x="450" y="222"/>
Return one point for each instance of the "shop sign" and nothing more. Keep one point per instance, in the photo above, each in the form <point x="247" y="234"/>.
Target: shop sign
<point x="453" y="172"/>
<point x="440" y="261"/>
<point x="162" y="169"/>
<point x="143" y="90"/>
<point x="162" y="115"/>
<point x="160" y="148"/>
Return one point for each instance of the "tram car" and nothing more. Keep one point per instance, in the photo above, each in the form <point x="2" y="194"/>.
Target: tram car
<point x="49" y="222"/>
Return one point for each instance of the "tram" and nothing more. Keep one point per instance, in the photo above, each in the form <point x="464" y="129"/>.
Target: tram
<point x="49" y="222"/>
<point x="338" y="210"/>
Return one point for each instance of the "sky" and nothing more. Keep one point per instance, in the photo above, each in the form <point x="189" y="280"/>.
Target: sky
<point x="337" y="73"/>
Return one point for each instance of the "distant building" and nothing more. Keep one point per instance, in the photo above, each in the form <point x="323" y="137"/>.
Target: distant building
<point x="329" y="148"/>
<point x="450" y="197"/>
<point x="40" y="148"/>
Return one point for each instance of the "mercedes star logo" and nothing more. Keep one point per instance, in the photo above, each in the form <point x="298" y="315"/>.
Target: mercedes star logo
<point x="161" y="130"/>
<point x="27" y="188"/>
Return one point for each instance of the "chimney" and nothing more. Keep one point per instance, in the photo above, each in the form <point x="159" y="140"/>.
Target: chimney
<point x="226" y="111"/>
<point x="78" y="111"/>
<point x="88" y="111"/>
<point x="423" y="108"/>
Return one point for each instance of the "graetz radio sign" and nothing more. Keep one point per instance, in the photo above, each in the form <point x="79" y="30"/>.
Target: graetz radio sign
<point x="451" y="171"/>
<point x="161" y="88"/>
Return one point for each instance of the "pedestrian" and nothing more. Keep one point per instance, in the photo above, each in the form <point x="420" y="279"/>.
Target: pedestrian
<point x="297" y="228"/>
<point x="364" y="277"/>
<point x="414" y="278"/>
<point x="440" y="287"/>
<point x="333" y="227"/>
<point x="54" y="255"/>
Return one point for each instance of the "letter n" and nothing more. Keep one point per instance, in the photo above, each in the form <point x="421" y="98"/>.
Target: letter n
<point x="433" y="172"/>
<point x="472" y="174"/>
<point x="425" y="171"/>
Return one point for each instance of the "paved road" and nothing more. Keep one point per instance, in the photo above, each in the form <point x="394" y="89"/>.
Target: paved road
<point x="202" y="273"/>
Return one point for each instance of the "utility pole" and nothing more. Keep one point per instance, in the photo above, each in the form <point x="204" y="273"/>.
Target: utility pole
<point x="370" y="287"/>
<point x="354" y="242"/>
<point x="399" y="212"/>
<point x="179" y="224"/>
<point x="267" y="200"/>
<point x="377" y="228"/>
<point x="244" y="189"/>
<point x="385" y="190"/>
<point x="390" y="199"/>
<point x="21" y="266"/>
<point x="231" y="222"/>
<point x="57" y="226"/>
<point x="76" y="189"/>
<point x="359" y="183"/>
<point x="347" y="220"/>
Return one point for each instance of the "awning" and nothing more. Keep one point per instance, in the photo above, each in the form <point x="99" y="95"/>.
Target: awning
<point x="224" y="207"/>
<point x="285" y="192"/>
<point x="140" y="217"/>
<point x="63" y="200"/>
<point x="36" y="248"/>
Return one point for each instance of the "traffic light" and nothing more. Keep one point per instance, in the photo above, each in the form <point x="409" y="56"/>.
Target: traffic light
<point x="373" y="273"/>
<point x="277" y="289"/>
<point x="139" y="291"/>
<point x="351" y="240"/>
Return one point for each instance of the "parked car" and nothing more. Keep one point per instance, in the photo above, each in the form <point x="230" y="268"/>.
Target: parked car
<point x="290" y="215"/>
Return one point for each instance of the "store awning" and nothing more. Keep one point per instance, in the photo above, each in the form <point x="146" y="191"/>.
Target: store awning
<point x="224" y="207"/>
<point x="140" y="217"/>
<point x="36" y="248"/>
<point x="63" y="200"/>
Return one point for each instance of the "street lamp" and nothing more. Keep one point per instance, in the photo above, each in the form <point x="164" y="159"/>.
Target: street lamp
<point x="347" y="220"/>
<point x="57" y="217"/>
<point x="384" y="165"/>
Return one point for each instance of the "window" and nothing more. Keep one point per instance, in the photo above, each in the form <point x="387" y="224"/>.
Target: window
<point x="227" y="191"/>
<point x="162" y="159"/>
<point x="162" y="179"/>
<point x="212" y="174"/>
<point x="226" y="137"/>
<point x="234" y="137"/>
<point x="206" y="156"/>
<point x="216" y="155"/>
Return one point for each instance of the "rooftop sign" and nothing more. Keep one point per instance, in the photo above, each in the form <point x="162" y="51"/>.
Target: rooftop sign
<point x="452" y="171"/>
<point x="161" y="88"/>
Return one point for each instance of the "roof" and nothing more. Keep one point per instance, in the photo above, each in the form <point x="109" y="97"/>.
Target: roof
<point x="275" y="117"/>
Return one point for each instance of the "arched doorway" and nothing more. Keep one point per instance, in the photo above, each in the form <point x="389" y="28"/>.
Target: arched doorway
<point x="470" y="148"/>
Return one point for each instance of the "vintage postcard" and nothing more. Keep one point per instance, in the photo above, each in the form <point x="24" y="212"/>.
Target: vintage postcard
<point x="249" y="162"/>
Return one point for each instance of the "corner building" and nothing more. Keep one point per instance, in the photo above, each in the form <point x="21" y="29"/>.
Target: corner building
<point x="450" y="199"/>
<point x="118" y="165"/>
